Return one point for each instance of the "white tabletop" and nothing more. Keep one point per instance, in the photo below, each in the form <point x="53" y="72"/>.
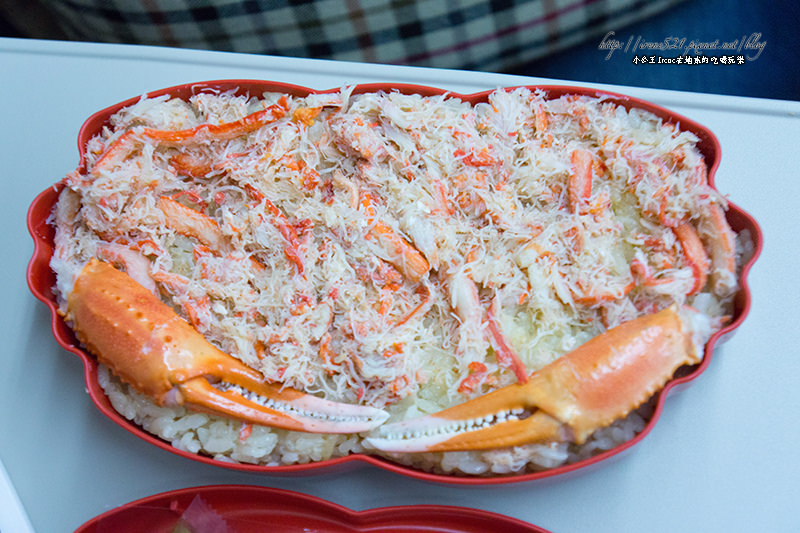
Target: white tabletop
<point x="723" y="456"/>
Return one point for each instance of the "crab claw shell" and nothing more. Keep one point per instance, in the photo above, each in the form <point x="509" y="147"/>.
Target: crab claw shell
<point x="147" y="345"/>
<point x="589" y="388"/>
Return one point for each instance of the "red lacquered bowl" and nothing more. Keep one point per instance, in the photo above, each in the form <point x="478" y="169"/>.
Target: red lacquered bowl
<point x="41" y="278"/>
<point x="243" y="509"/>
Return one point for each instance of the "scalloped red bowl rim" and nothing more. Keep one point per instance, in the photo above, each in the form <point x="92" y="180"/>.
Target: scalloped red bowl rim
<point x="40" y="278"/>
<point x="246" y="507"/>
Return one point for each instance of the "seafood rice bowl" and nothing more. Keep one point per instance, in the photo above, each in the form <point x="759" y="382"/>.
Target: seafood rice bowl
<point x="401" y="252"/>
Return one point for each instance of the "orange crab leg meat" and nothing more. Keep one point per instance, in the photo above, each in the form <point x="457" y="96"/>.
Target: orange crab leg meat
<point x="579" y="186"/>
<point x="720" y="240"/>
<point x="289" y="234"/>
<point x="192" y="223"/>
<point x="124" y="145"/>
<point x="115" y="153"/>
<point x="506" y="355"/>
<point x="694" y="253"/>
<point x="589" y="388"/>
<point x="219" y="132"/>
<point x="158" y="353"/>
<point x="400" y="252"/>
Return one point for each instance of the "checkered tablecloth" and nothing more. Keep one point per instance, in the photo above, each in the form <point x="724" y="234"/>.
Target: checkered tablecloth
<point x="492" y="35"/>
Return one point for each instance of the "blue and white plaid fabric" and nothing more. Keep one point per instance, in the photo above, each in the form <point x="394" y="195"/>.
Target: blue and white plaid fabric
<point x="494" y="35"/>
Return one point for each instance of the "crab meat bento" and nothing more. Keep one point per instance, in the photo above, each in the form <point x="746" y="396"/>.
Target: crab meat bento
<point x="496" y="286"/>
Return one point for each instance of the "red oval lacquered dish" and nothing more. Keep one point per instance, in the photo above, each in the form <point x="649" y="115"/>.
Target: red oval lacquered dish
<point x="41" y="278"/>
<point x="242" y="508"/>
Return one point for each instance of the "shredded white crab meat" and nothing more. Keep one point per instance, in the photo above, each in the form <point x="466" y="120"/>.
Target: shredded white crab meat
<point x="287" y="270"/>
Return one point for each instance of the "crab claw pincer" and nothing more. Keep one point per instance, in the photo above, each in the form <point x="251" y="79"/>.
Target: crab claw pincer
<point x="150" y="347"/>
<point x="567" y="400"/>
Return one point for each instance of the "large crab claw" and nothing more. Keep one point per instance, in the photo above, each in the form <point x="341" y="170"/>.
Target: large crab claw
<point x="150" y="347"/>
<point x="599" y="382"/>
